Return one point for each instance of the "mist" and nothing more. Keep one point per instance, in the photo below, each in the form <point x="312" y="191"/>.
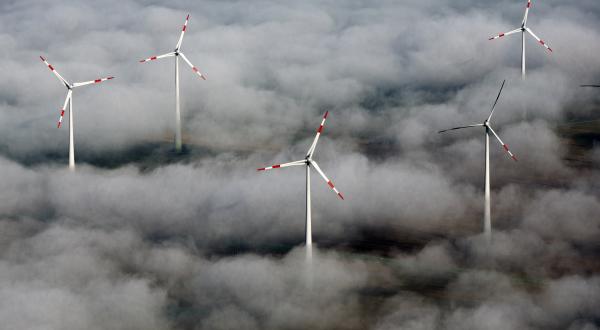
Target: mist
<point x="142" y="237"/>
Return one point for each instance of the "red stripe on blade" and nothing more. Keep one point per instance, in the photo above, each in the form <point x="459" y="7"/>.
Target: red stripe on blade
<point x="276" y="166"/>
<point x="152" y="58"/>
<point x="514" y="158"/>
<point x="340" y="194"/>
<point x="505" y="147"/>
<point x="184" y="28"/>
<point x="326" y="113"/>
<point x="330" y="184"/>
<point x="50" y="66"/>
<point x="320" y="129"/>
<point x="260" y="169"/>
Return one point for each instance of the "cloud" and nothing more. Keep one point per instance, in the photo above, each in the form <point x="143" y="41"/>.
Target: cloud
<point x="142" y="238"/>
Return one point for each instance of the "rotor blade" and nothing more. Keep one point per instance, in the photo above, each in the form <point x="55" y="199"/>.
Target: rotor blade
<point x="63" y="80"/>
<point x="526" y="12"/>
<point x="496" y="102"/>
<point x="538" y="39"/>
<point x="461" y="127"/>
<point x="313" y="146"/>
<point x="329" y="183"/>
<point x="157" y="57"/>
<point x="506" y="34"/>
<point x="192" y="66"/>
<point x="182" y="33"/>
<point x="79" y="84"/>
<point x="62" y="111"/>
<point x="505" y="146"/>
<point x="296" y="163"/>
<point x="590" y="86"/>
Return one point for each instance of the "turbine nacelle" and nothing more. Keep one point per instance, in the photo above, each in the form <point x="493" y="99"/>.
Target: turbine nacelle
<point x="308" y="160"/>
<point x="487" y="125"/>
<point x="524" y="29"/>
<point x="177" y="52"/>
<point x="70" y="86"/>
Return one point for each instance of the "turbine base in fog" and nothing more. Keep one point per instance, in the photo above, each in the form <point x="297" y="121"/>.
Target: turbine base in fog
<point x="487" y="221"/>
<point x="177" y="53"/>
<point x="309" y="162"/>
<point x="69" y="103"/>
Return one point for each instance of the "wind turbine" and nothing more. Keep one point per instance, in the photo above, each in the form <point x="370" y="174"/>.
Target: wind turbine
<point x="69" y="102"/>
<point x="524" y="29"/>
<point x="309" y="162"/>
<point x="177" y="53"/>
<point x="487" y="223"/>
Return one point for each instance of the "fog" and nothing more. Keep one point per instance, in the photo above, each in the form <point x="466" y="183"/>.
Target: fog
<point x="140" y="237"/>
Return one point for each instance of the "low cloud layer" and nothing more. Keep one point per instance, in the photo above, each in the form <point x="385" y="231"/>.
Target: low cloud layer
<point x="142" y="238"/>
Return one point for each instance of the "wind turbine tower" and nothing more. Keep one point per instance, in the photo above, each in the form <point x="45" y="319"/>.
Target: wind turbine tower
<point x="69" y="102"/>
<point x="309" y="163"/>
<point x="487" y="217"/>
<point x="177" y="53"/>
<point x="524" y="29"/>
